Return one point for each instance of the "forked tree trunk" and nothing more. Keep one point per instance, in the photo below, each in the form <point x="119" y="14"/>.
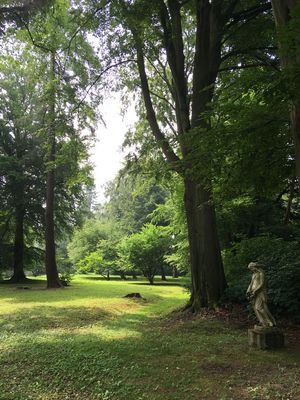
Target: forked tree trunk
<point x="208" y="281"/>
<point x="51" y="267"/>
<point x="19" y="274"/>
<point x="206" y="264"/>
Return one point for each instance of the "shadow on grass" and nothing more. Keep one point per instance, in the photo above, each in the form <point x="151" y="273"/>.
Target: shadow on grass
<point x="43" y="318"/>
<point x="26" y="281"/>
<point x="142" y="359"/>
<point x="157" y="283"/>
<point x="103" y="278"/>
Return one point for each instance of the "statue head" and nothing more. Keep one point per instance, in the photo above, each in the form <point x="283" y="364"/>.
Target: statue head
<point x="255" y="266"/>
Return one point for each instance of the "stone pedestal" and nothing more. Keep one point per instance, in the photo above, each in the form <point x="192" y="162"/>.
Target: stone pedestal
<point x="265" y="338"/>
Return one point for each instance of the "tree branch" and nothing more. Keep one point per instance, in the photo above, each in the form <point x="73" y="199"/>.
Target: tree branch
<point x="171" y="157"/>
<point x="238" y="67"/>
<point x="251" y="12"/>
<point x="98" y="78"/>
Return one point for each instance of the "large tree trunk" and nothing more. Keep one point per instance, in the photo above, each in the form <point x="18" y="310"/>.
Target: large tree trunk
<point x="208" y="279"/>
<point x="206" y="263"/>
<point x="51" y="267"/>
<point x="284" y="13"/>
<point x="19" y="275"/>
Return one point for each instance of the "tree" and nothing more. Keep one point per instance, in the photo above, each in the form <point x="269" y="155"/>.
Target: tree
<point x="12" y="13"/>
<point x="144" y="251"/>
<point x="21" y="156"/>
<point x="183" y="46"/>
<point x="101" y="261"/>
<point x="67" y="77"/>
<point x="85" y="240"/>
<point x="287" y="17"/>
<point x="132" y="199"/>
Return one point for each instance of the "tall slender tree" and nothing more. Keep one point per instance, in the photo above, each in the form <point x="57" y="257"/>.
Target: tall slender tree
<point x="67" y="110"/>
<point x="20" y="153"/>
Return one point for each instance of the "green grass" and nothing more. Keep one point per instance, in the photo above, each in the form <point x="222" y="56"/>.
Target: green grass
<point x="88" y="342"/>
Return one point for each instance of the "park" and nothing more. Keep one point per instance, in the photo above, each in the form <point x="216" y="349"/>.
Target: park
<point x="149" y="199"/>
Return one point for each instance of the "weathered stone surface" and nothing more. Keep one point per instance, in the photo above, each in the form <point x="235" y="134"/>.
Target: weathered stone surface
<point x="265" y="338"/>
<point x="257" y="295"/>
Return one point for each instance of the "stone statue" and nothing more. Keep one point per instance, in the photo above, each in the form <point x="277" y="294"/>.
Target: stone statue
<point x="257" y="295"/>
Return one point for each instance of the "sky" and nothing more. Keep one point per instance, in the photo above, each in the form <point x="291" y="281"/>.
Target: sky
<point x="107" y="156"/>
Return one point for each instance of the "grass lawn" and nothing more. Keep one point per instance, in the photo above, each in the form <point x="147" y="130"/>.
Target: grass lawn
<point x="88" y="342"/>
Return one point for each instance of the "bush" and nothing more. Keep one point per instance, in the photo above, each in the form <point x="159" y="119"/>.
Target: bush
<point x="282" y="269"/>
<point x="144" y="251"/>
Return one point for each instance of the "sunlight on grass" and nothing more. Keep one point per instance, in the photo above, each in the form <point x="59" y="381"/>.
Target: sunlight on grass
<point x="89" y="342"/>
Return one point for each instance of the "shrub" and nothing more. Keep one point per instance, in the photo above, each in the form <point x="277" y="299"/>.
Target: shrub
<point x="282" y="269"/>
<point x="144" y="251"/>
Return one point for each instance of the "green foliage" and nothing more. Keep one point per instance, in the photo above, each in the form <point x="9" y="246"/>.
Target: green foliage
<point x="92" y="262"/>
<point x="172" y="211"/>
<point x="86" y="239"/>
<point x="102" y="261"/>
<point x="132" y="199"/>
<point x="144" y="251"/>
<point x="25" y="122"/>
<point x="65" y="278"/>
<point x="282" y="269"/>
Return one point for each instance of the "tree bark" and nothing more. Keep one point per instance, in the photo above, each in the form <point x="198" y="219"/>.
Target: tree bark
<point x="283" y="13"/>
<point x="151" y="280"/>
<point x="19" y="274"/>
<point x="163" y="275"/>
<point x="122" y="275"/>
<point x="51" y="267"/>
<point x="208" y="278"/>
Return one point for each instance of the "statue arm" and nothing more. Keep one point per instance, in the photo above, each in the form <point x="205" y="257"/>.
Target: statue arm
<point x="249" y="292"/>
